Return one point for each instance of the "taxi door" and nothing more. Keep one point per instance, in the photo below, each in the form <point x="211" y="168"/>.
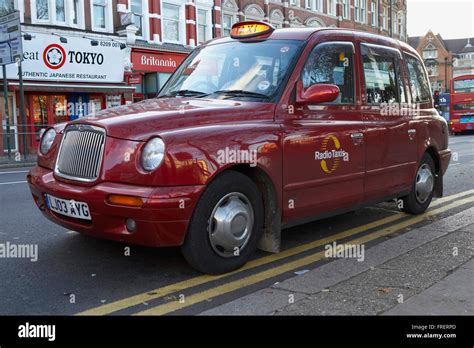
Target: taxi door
<point x="323" y="144"/>
<point x="391" y="138"/>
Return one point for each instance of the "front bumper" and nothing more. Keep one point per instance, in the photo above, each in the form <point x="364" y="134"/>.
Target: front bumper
<point x="161" y="221"/>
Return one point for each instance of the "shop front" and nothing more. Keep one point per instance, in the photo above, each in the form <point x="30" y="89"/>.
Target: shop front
<point x="151" y="70"/>
<point x="64" y="80"/>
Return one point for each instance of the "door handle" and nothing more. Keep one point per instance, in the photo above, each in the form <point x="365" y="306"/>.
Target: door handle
<point x="357" y="138"/>
<point x="412" y="133"/>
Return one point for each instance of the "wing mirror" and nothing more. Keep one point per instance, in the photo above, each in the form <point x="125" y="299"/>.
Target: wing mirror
<point x="319" y="93"/>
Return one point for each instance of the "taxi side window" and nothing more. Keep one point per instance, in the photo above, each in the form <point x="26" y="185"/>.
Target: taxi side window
<point x="383" y="75"/>
<point x="332" y="63"/>
<point x="419" y="86"/>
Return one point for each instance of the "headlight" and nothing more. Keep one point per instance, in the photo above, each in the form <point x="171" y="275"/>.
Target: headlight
<point x="153" y="154"/>
<point x="47" y="141"/>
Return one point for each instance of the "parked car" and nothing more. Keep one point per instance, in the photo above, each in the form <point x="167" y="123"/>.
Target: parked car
<point x="253" y="133"/>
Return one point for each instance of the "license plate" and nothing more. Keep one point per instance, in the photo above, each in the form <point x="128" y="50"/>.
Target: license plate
<point x="71" y="208"/>
<point x="469" y="126"/>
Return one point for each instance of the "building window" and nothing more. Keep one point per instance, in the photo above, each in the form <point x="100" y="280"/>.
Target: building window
<point x="227" y="23"/>
<point x="204" y="31"/>
<point x="332" y="7"/>
<point x="75" y="11"/>
<point x="136" y="7"/>
<point x="99" y="11"/>
<point x="317" y="5"/>
<point x="373" y="8"/>
<point x="307" y="3"/>
<point x="401" y="24"/>
<point x="6" y="6"/>
<point x="432" y="70"/>
<point x="394" y="22"/>
<point x="430" y="54"/>
<point x="345" y="9"/>
<point x="171" y="23"/>
<point x="384" y="18"/>
<point x="293" y="2"/>
<point x="60" y="11"/>
<point x="363" y="11"/>
<point x="42" y="10"/>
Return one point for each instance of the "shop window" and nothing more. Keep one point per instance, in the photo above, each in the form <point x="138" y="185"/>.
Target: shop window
<point x="95" y="104"/>
<point x="60" y="108"/>
<point x="113" y="100"/>
<point x="40" y="112"/>
<point x="151" y="84"/>
<point x="11" y="136"/>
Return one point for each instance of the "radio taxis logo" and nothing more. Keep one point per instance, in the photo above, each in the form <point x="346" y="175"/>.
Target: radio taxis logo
<point x="54" y="56"/>
<point x="331" y="154"/>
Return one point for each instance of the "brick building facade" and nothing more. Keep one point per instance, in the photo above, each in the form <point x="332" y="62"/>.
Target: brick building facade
<point x="444" y="58"/>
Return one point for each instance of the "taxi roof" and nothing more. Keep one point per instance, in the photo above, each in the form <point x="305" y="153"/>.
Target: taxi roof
<point x="304" y="34"/>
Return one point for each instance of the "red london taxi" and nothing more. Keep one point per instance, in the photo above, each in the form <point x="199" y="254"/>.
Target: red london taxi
<point x="253" y="133"/>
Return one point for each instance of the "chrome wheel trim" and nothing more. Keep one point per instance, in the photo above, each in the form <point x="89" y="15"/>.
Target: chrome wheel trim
<point x="424" y="183"/>
<point x="230" y="224"/>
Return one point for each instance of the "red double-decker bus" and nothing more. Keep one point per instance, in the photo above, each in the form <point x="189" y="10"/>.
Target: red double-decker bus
<point x="462" y="104"/>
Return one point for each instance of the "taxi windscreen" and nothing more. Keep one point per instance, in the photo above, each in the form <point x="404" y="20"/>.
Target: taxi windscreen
<point x="244" y="70"/>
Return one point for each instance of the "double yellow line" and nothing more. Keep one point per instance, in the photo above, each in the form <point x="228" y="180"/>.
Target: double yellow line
<point x="275" y="271"/>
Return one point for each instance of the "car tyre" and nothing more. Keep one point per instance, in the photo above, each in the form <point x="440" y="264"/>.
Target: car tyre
<point x="421" y="193"/>
<point x="226" y="225"/>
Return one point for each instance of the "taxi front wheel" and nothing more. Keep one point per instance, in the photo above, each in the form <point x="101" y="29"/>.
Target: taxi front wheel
<point x="422" y="190"/>
<point x="226" y="225"/>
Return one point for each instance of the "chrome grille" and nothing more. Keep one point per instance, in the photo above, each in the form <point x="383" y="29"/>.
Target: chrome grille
<point x="80" y="154"/>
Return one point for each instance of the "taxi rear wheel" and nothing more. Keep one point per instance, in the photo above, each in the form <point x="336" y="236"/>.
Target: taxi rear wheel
<point x="226" y="225"/>
<point x="422" y="189"/>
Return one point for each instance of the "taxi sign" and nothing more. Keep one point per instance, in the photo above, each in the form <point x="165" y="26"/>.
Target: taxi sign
<point x="250" y="29"/>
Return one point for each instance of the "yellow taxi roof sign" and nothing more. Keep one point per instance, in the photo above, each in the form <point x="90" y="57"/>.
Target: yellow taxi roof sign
<point x="250" y="29"/>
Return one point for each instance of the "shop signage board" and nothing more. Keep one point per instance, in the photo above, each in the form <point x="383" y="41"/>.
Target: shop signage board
<point x="45" y="58"/>
<point x="157" y="62"/>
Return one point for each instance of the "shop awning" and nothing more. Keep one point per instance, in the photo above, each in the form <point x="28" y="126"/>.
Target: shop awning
<point x="72" y="88"/>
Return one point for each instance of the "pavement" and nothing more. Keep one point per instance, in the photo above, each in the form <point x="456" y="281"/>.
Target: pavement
<point x="427" y="271"/>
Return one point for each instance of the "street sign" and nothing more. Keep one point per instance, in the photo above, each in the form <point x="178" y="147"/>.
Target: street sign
<point x="11" y="47"/>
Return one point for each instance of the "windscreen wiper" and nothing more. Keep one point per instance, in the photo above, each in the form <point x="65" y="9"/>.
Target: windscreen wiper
<point x="185" y="93"/>
<point x="241" y="93"/>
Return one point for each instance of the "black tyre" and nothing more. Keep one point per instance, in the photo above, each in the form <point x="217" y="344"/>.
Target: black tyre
<point x="226" y="225"/>
<point x="422" y="189"/>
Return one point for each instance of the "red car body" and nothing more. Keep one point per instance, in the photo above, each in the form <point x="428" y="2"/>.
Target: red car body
<point x="295" y="188"/>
